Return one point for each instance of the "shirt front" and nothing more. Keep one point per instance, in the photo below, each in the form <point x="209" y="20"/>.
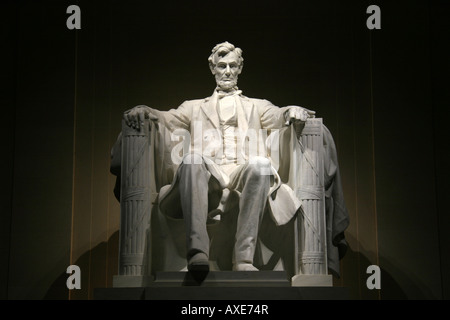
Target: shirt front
<point x="229" y="129"/>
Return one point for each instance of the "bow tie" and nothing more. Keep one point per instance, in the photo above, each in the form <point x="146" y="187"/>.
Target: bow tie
<point x="222" y="94"/>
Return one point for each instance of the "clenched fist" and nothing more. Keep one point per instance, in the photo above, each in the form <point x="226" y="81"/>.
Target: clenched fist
<point x="135" y="117"/>
<point x="298" y="113"/>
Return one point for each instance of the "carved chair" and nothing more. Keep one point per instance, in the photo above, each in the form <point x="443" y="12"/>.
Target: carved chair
<point x="151" y="242"/>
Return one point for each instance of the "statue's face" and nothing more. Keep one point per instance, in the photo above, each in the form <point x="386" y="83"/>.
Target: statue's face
<point x="226" y="71"/>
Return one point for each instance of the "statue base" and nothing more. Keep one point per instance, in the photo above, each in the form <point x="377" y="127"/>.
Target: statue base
<point x="222" y="279"/>
<point x="312" y="280"/>
<point x="222" y="285"/>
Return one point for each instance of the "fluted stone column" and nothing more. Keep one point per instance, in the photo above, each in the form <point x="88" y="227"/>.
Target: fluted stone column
<point x="311" y="249"/>
<point x="135" y="208"/>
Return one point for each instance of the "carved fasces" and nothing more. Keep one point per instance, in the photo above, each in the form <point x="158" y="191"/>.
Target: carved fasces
<point x="309" y="188"/>
<point x="135" y="201"/>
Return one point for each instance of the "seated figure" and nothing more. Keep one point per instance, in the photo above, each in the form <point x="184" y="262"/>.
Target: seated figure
<point x="228" y="151"/>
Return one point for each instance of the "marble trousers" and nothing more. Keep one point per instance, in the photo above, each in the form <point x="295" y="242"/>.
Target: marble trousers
<point x="250" y="179"/>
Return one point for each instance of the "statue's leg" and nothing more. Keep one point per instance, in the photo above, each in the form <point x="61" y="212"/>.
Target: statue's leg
<point x="253" y="181"/>
<point x="193" y="186"/>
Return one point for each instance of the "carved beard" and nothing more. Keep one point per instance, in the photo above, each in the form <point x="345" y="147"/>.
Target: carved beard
<point x="227" y="85"/>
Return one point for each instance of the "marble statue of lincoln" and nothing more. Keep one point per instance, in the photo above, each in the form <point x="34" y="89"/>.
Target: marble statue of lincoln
<point x="218" y="161"/>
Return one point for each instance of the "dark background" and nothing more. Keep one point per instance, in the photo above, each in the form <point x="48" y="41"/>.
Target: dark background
<point x="382" y="93"/>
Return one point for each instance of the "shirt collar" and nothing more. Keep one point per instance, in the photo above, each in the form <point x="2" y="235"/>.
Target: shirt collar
<point x="220" y="93"/>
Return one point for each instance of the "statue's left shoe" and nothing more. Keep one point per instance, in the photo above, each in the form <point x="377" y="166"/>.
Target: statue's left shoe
<point x="198" y="263"/>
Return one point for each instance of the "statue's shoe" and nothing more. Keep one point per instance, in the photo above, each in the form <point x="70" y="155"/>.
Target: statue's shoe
<point x="198" y="263"/>
<point x="244" y="267"/>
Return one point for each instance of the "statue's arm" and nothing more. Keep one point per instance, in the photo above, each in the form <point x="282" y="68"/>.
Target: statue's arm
<point x="273" y="117"/>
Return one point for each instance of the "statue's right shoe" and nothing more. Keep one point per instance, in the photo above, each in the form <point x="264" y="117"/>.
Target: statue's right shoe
<point x="198" y="263"/>
<point x="244" y="267"/>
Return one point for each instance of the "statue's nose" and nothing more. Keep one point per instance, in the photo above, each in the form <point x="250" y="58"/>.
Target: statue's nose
<point x="228" y="70"/>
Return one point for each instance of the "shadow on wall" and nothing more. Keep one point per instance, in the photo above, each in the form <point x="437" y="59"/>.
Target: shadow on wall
<point x="397" y="283"/>
<point x="354" y="274"/>
<point x="58" y="289"/>
<point x="98" y="266"/>
<point x="355" y="268"/>
<point x="411" y="286"/>
<point x="102" y="264"/>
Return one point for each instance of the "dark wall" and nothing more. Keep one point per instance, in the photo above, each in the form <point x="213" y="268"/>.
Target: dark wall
<point x="7" y="96"/>
<point x="381" y="94"/>
<point x="40" y="116"/>
<point x="440" y="96"/>
<point x="408" y="234"/>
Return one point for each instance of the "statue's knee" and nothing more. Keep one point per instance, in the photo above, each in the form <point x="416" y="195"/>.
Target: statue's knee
<point x="193" y="158"/>
<point x="259" y="166"/>
<point x="191" y="162"/>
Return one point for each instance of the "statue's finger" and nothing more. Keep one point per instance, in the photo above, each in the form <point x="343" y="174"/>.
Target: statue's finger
<point x="141" y="116"/>
<point x="133" y="120"/>
<point x="151" y="116"/>
<point x="125" y="118"/>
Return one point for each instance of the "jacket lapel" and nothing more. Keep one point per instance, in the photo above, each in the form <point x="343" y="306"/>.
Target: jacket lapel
<point x="245" y="109"/>
<point x="209" y="108"/>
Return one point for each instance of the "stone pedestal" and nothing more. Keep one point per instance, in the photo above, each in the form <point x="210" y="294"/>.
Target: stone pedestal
<point x="222" y="279"/>
<point x="312" y="280"/>
<point x="222" y="285"/>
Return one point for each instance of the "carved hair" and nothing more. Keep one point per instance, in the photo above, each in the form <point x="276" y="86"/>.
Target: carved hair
<point x="221" y="50"/>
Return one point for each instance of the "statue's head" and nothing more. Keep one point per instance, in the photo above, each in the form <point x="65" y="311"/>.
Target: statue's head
<point x="226" y="64"/>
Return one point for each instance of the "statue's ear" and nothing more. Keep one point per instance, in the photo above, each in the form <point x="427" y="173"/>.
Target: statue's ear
<point x="211" y="67"/>
<point x="241" y="67"/>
